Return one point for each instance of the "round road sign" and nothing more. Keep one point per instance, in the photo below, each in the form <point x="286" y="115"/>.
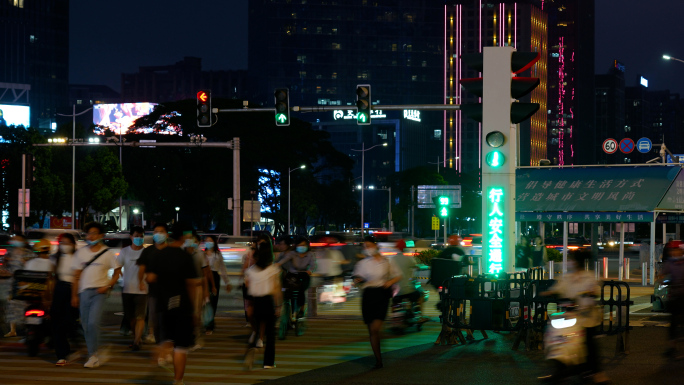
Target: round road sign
<point x="644" y="145"/>
<point x="609" y="145"/>
<point x="626" y="145"/>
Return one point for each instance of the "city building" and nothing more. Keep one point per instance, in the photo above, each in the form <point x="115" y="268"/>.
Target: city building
<point x="610" y="109"/>
<point x="89" y="94"/>
<point x="158" y="84"/>
<point x="34" y="36"/>
<point x="470" y="25"/>
<point x="571" y="121"/>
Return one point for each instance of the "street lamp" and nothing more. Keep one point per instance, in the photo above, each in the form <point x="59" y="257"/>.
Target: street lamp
<point x="142" y="218"/>
<point x="73" y="164"/>
<point x="177" y="210"/>
<point x="438" y="162"/>
<point x="668" y="57"/>
<point x="363" y="164"/>
<point x="289" y="173"/>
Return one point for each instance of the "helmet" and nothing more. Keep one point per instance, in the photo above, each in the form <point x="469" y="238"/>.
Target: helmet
<point x="42" y="246"/>
<point x="401" y="245"/>
<point x="454" y="240"/>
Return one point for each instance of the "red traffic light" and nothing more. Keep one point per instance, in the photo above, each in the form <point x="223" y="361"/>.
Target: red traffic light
<point x="202" y="95"/>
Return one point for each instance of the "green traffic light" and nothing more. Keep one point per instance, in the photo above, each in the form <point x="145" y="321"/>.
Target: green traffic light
<point x="361" y="117"/>
<point x="495" y="159"/>
<point x="281" y="118"/>
<point x="443" y="212"/>
<point x="444" y="201"/>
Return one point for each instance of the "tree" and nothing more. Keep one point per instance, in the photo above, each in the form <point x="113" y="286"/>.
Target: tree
<point x="100" y="182"/>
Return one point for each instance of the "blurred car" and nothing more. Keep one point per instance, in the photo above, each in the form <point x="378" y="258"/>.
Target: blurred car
<point x="574" y="243"/>
<point x="33" y="235"/>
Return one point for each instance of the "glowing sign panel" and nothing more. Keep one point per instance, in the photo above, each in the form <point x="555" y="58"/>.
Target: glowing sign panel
<point x="495" y="224"/>
<point x="412" y="115"/>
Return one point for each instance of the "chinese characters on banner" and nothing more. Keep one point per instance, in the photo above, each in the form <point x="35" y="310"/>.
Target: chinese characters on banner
<point x="495" y="224"/>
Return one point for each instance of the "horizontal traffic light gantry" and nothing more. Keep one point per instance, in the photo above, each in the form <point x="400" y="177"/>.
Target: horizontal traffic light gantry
<point x="363" y="104"/>
<point x="282" y="106"/>
<point x="204" y="114"/>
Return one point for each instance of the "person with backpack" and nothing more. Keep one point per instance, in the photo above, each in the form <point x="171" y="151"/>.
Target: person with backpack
<point x="92" y="285"/>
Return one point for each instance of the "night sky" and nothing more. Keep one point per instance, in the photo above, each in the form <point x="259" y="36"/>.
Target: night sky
<point x="113" y="37"/>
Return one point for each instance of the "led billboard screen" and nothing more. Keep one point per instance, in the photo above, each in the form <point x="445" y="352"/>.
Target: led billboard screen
<point x="118" y="118"/>
<point x="13" y="115"/>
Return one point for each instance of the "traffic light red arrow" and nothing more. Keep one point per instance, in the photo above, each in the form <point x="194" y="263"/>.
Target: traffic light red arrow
<point x="202" y="96"/>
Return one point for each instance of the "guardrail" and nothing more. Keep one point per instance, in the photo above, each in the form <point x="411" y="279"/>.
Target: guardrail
<point x="514" y="303"/>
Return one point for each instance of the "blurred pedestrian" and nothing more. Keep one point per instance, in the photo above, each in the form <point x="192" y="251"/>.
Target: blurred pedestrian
<point x="202" y="291"/>
<point x="248" y="260"/>
<point x="284" y="244"/>
<point x="539" y="257"/>
<point x="454" y="251"/>
<point x="376" y="274"/>
<point x="18" y="255"/>
<point x="134" y="295"/>
<point x="218" y="269"/>
<point x="62" y="314"/>
<point x="174" y="272"/>
<point x="147" y="257"/>
<point x="92" y="285"/>
<point x="580" y="286"/>
<point x="673" y="271"/>
<point x="302" y="260"/>
<point x="263" y="286"/>
<point x="523" y="254"/>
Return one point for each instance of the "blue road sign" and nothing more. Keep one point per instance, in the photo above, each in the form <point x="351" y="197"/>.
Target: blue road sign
<point x="644" y="145"/>
<point x="626" y="145"/>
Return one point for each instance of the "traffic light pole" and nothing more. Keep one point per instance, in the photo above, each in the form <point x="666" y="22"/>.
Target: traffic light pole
<point x="436" y="107"/>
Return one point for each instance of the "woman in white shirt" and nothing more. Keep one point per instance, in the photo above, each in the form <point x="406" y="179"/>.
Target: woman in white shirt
<point x="376" y="273"/>
<point x="218" y="268"/>
<point x="263" y="286"/>
<point x="62" y="313"/>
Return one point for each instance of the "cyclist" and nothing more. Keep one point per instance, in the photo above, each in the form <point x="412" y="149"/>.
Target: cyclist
<point x="298" y="264"/>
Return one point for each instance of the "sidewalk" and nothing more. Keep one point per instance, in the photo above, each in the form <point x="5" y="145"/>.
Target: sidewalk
<point x="492" y="361"/>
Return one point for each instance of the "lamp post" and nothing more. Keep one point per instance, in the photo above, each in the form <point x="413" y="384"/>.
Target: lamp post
<point x="363" y="170"/>
<point x="73" y="163"/>
<point x="142" y="218"/>
<point x="177" y="210"/>
<point x="438" y="162"/>
<point x="289" y="173"/>
<point x="668" y="57"/>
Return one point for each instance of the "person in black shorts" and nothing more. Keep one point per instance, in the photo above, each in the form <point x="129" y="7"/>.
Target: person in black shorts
<point x="174" y="273"/>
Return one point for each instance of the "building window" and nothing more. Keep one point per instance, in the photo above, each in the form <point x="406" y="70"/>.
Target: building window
<point x="302" y="74"/>
<point x="32" y="38"/>
<point x="19" y="3"/>
<point x="334" y="31"/>
<point x="414" y="78"/>
<point x="437" y="134"/>
<point x="336" y="46"/>
<point x="301" y="59"/>
<point x="334" y="75"/>
<point x="79" y="102"/>
<point x="394" y="48"/>
<point x="318" y="89"/>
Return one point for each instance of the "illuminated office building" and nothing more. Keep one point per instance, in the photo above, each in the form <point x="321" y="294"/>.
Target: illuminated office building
<point x="470" y="25"/>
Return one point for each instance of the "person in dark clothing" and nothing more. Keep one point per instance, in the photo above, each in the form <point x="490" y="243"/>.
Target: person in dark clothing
<point x="453" y="251"/>
<point x="63" y="315"/>
<point x="174" y="272"/>
<point x="673" y="270"/>
<point x="523" y="254"/>
<point x="147" y="257"/>
<point x="538" y="252"/>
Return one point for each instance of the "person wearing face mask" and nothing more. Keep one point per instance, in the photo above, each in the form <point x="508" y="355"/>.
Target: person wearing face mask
<point x="147" y="257"/>
<point x="15" y="260"/>
<point x="134" y="295"/>
<point x="218" y="269"/>
<point x="300" y="260"/>
<point x="376" y="274"/>
<point x="580" y="286"/>
<point x="92" y="285"/>
<point x="63" y="315"/>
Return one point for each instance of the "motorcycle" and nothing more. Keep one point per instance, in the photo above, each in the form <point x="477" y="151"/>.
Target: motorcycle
<point x="31" y="286"/>
<point x="564" y="343"/>
<point x="406" y="311"/>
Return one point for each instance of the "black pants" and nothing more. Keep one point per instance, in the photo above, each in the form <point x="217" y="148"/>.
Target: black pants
<point x="593" y="360"/>
<point x="214" y="298"/>
<point x="264" y="312"/>
<point x="63" y="319"/>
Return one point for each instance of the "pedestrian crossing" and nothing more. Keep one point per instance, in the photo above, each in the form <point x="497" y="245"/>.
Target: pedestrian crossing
<point x="336" y="335"/>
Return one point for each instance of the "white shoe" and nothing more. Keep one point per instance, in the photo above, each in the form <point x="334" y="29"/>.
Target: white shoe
<point x="196" y="347"/>
<point x="269" y="367"/>
<point x="149" y="339"/>
<point x="251" y="338"/>
<point x="93" y="362"/>
<point x="260" y="343"/>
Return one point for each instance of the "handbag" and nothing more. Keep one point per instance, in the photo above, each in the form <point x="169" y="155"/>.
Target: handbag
<point x="207" y="314"/>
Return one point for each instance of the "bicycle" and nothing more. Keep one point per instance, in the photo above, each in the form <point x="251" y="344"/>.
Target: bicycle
<point x="293" y="285"/>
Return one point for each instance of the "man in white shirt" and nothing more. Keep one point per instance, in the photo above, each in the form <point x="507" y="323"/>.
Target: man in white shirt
<point x="91" y="285"/>
<point x="134" y="296"/>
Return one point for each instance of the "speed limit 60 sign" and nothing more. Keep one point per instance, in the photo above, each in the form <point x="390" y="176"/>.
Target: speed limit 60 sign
<point x="610" y="145"/>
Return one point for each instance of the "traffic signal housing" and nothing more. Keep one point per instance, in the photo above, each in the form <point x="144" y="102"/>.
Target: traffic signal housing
<point x="442" y="203"/>
<point x="204" y="115"/>
<point x="282" y="106"/>
<point x="363" y="104"/>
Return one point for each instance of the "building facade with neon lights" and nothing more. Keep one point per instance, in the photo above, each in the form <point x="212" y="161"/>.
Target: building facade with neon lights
<point x="470" y="25"/>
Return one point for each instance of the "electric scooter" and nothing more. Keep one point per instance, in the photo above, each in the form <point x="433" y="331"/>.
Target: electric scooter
<point x="564" y="343"/>
<point x="31" y="286"/>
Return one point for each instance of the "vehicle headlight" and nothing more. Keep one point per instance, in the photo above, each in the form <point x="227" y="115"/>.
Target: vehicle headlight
<point x="611" y="243"/>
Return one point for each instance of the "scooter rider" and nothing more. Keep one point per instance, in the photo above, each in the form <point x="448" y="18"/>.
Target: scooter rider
<point x="299" y="261"/>
<point x="581" y="287"/>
